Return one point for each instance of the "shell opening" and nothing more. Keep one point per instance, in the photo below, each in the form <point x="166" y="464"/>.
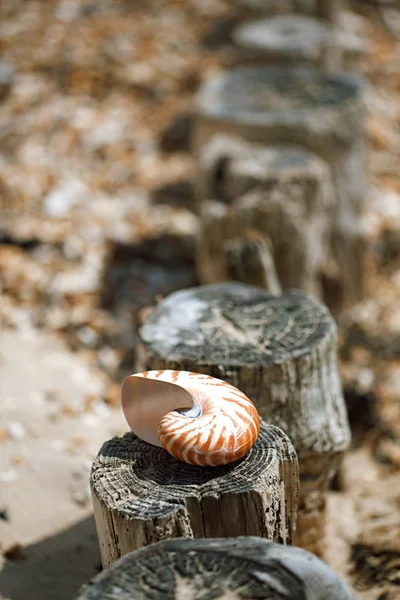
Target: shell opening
<point x="193" y="413"/>
<point x="146" y="401"/>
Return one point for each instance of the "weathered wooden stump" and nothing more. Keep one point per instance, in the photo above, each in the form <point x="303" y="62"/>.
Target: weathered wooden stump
<point x="281" y="352"/>
<point x="297" y="40"/>
<point x="286" y="39"/>
<point x="328" y="9"/>
<point x="249" y="259"/>
<point x="217" y="568"/>
<point x="283" y="193"/>
<point x="322" y="113"/>
<point x="141" y="494"/>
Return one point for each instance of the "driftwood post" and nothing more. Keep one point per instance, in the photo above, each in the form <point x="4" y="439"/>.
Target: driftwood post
<point x="281" y="352"/>
<point x="283" y="196"/>
<point x="141" y="494"/>
<point x="322" y="113"/>
<point x="297" y="40"/>
<point x="286" y="39"/>
<point x="217" y="568"/>
<point x="249" y="259"/>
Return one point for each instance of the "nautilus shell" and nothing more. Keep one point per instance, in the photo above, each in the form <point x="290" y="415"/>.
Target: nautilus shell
<point x="197" y="418"/>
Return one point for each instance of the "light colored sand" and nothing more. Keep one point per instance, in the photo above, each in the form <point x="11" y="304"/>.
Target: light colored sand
<point x="44" y="470"/>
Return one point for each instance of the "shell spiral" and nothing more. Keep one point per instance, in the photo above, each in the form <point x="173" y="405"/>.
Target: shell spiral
<point x="197" y="418"/>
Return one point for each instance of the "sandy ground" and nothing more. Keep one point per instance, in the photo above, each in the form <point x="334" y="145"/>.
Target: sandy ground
<point x="87" y="88"/>
<point x="45" y="468"/>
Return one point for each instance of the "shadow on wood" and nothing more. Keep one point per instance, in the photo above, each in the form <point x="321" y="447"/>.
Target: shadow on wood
<point x="55" y="568"/>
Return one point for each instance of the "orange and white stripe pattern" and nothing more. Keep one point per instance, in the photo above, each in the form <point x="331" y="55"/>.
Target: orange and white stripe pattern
<point x="218" y="427"/>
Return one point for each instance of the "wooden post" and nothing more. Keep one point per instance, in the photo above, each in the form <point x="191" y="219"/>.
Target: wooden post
<point x="141" y="494"/>
<point x="298" y="40"/>
<point x="246" y="567"/>
<point x="328" y="10"/>
<point x="288" y="39"/>
<point x="281" y="352"/>
<point x="322" y="113"/>
<point x="284" y="193"/>
<point x="249" y="259"/>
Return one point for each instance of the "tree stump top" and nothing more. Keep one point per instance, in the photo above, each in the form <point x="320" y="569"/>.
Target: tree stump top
<point x="139" y="481"/>
<point x="258" y="94"/>
<point x="293" y="36"/>
<point x="245" y="567"/>
<point x="235" y="324"/>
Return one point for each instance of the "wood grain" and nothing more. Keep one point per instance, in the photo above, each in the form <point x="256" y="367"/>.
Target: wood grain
<point x="141" y="494"/>
<point x="217" y="568"/>
<point x="281" y="352"/>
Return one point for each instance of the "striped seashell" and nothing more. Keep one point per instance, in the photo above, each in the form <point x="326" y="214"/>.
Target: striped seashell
<point x="197" y="418"/>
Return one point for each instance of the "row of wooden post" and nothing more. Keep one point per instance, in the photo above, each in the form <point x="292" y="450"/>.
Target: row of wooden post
<point x="281" y="181"/>
<point x="281" y="352"/>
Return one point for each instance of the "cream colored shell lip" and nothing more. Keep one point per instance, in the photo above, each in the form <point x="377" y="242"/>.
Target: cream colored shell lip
<point x="197" y="418"/>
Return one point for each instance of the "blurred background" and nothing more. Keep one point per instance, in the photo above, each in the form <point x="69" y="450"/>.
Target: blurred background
<point x="98" y="223"/>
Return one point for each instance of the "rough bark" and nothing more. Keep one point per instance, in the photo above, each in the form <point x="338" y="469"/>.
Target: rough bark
<point x="281" y="352"/>
<point x="285" y="193"/>
<point x="141" y="494"/>
<point x="217" y="568"/>
<point x="320" y="112"/>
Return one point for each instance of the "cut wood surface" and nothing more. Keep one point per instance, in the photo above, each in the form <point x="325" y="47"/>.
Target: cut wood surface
<point x="283" y="193"/>
<point x="321" y="112"/>
<point x="217" y="568"/>
<point x="281" y="352"/>
<point x="141" y="494"/>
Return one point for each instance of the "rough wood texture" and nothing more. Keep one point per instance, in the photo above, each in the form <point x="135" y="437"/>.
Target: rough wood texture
<point x="285" y="193"/>
<point x="320" y="112"/>
<point x="281" y="352"/>
<point x="219" y="568"/>
<point x="141" y="494"/>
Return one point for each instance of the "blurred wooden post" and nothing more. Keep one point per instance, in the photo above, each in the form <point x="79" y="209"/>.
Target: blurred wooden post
<point x="141" y="494"/>
<point x="288" y="40"/>
<point x="245" y="567"/>
<point x="249" y="260"/>
<point x="328" y="10"/>
<point x="322" y="113"/>
<point x="278" y="202"/>
<point x="281" y="352"/>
